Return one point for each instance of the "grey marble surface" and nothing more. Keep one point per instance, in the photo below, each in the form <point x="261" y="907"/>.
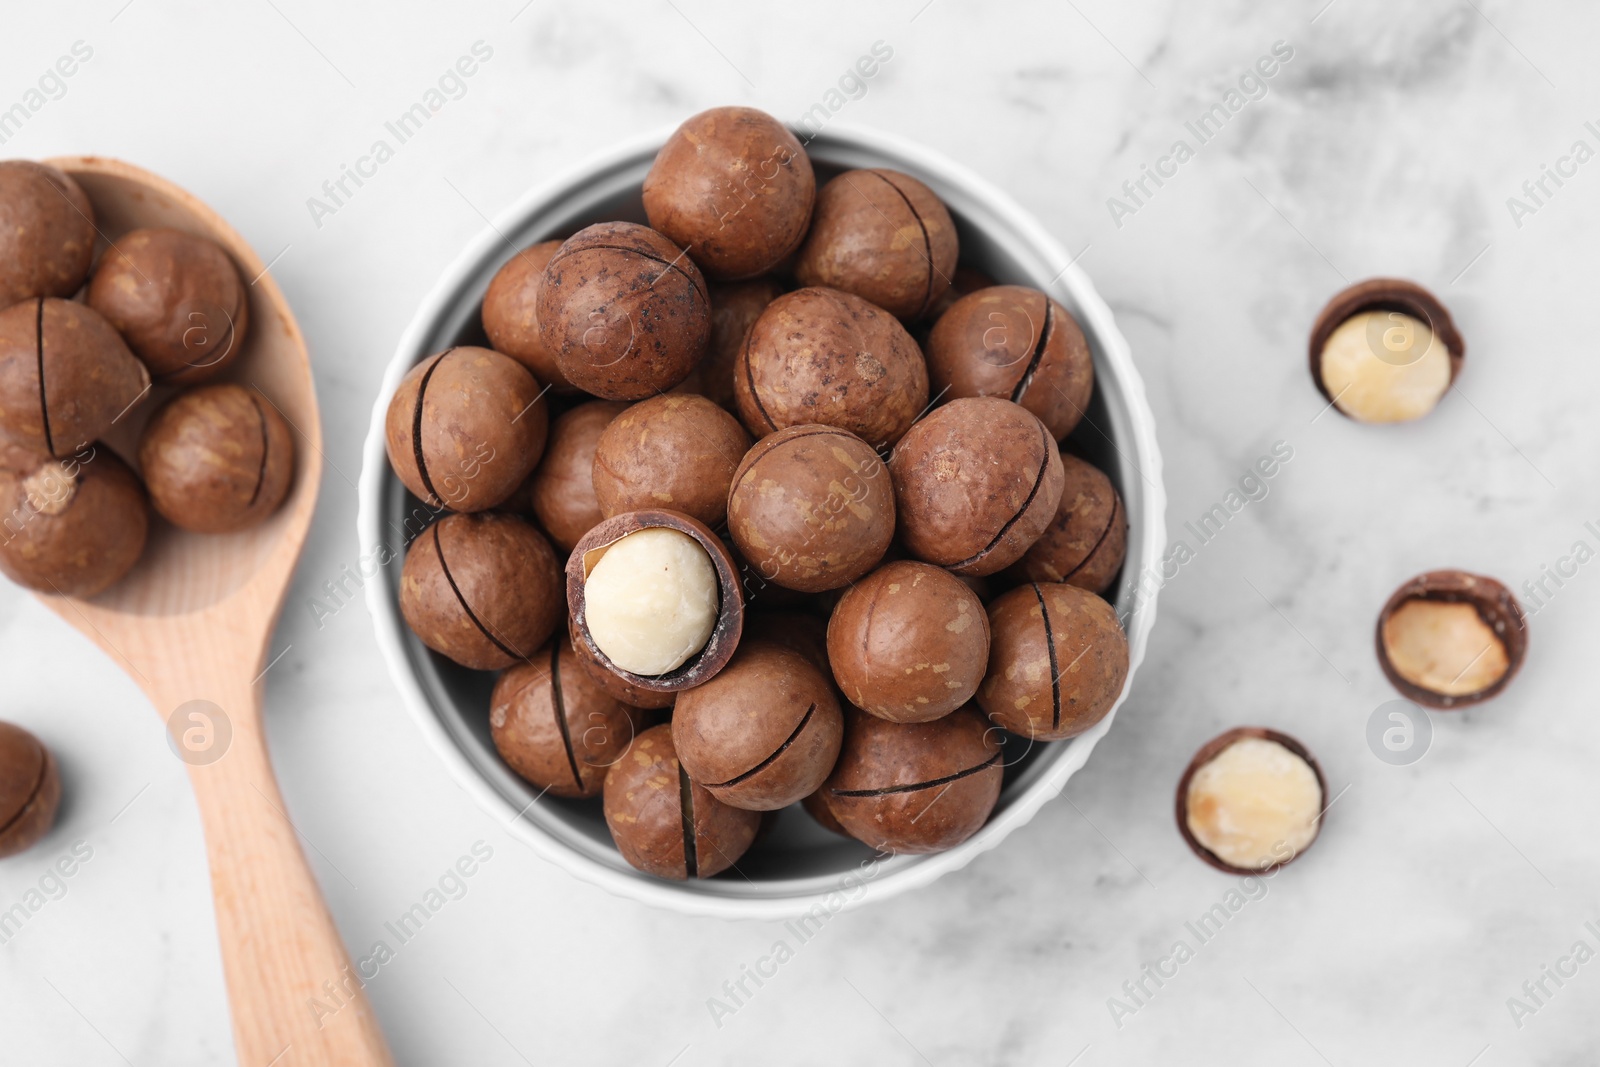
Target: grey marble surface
<point x="1388" y="144"/>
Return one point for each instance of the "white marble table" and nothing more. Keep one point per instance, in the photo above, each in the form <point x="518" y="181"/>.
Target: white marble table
<point x="1389" y="143"/>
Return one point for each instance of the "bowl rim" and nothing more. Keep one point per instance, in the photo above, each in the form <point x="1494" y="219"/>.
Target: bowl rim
<point x="907" y="872"/>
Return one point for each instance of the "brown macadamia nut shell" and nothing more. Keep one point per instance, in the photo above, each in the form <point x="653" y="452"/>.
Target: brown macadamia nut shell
<point x="511" y="315"/>
<point x="915" y="787"/>
<point x="909" y="642"/>
<point x="624" y="311"/>
<point x="615" y="685"/>
<point x="177" y="299"/>
<point x="672" y="451"/>
<point x="30" y="790"/>
<point x="735" y="306"/>
<point x="764" y="733"/>
<point x="825" y="356"/>
<point x="217" y="458"/>
<point x="65" y="376"/>
<point x="976" y="483"/>
<point x="465" y="428"/>
<point x="811" y="508"/>
<point x="482" y="590"/>
<point x="561" y="488"/>
<point x="1087" y="539"/>
<point x="724" y="638"/>
<point x="75" y="526"/>
<point x="1495" y="605"/>
<point x="46" y="232"/>
<point x="666" y="824"/>
<point x="734" y="187"/>
<point x="1210" y="751"/>
<point x="884" y="236"/>
<point x="556" y="727"/>
<point x="1384" y="294"/>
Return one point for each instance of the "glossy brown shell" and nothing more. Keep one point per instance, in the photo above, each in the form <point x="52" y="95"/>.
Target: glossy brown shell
<point x="72" y="527"/>
<point x="483" y="590"/>
<point x="1384" y="294"/>
<point x="561" y="489"/>
<point x="613" y="684"/>
<point x="672" y="451"/>
<point x="30" y="790"/>
<point x="46" y="232"/>
<point x="884" y="236"/>
<point x="1210" y="751"/>
<point x="1496" y="606"/>
<point x="177" y="299"/>
<point x="976" y="483"/>
<point x="734" y="187"/>
<point x="217" y="458"/>
<point x="1087" y="539"/>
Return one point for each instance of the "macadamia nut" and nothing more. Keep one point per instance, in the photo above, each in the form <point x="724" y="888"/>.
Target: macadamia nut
<point x="1444" y="647"/>
<point x="1255" y="804"/>
<point x="1385" y="366"/>
<point x="651" y="600"/>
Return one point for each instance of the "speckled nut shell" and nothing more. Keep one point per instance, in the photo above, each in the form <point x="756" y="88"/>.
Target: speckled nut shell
<point x="46" y="232"/>
<point x="883" y="236"/>
<point x="614" y="685"/>
<point x="624" y="311"/>
<point x="30" y="790"/>
<point x="975" y="484"/>
<point x="734" y="187"/>
<point x="915" y="787"/>
<point x="482" y="590"/>
<point x="762" y="734"/>
<point x="1384" y="294"/>
<point x="1014" y="342"/>
<point x="74" y="526"/>
<point x="561" y="488"/>
<point x="811" y="508"/>
<point x="465" y="427"/>
<point x="735" y="306"/>
<point x="1496" y="607"/>
<point x="1057" y="661"/>
<point x="1210" y="751"/>
<point x="511" y="315"/>
<point x="823" y="356"/>
<point x="65" y="376"/>
<point x="217" y="458"/>
<point x="1086" y="541"/>
<point x="666" y="824"/>
<point x="177" y="299"/>
<point x="909" y="642"/>
<point x="730" y="613"/>
<point x="556" y="727"/>
<point x="674" y="451"/>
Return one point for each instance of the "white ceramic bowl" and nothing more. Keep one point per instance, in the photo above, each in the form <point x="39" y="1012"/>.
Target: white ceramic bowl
<point x="800" y="864"/>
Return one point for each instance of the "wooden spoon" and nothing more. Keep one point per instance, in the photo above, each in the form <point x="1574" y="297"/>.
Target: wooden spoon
<point x="191" y="623"/>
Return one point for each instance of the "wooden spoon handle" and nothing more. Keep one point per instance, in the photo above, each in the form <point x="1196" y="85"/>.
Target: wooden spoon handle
<point x="297" y="999"/>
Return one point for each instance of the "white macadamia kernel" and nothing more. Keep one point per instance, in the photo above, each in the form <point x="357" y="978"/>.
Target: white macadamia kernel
<point x="650" y="602"/>
<point x="1385" y="366"/>
<point x="1255" y="804"/>
<point x="1444" y="647"/>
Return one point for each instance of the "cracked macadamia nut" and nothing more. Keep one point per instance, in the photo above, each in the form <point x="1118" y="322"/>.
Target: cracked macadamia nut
<point x="811" y="508"/>
<point x="1086" y="541"/>
<point x="1448" y="639"/>
<point x="734" y="187"/>
<point x="482" y="590"/>
<point x="616" y="686"/>
<point x="46" y="232"/>
<point x="511" y="314"/>
<point x="764" y="733"/>
<point x="65" y="376"/>
<point x="73" y="526"/>
<point x="1014" y="342"/>
<point x="465" y="428"/>
<point x="1251" y="801"/>
<point x="217" y="458"/>
<point x="883" y="236"/>
<point x="975" y="484"/>
<point x="671" y="451"/>
<point x="624" y="312"/>
<point x="30" y="790"/>
<point x="909" y="642"/>
<point x="1385" y="350"/>
<point x="666" y="824"/>
<point x="176" y="298"/>
<point x="915" y="787"/>
<point x="556" y="727"/>
<point x="651" y="600"/>
<point x="561" y="488"/>
<point x="1057" y="661"/>
<point x="825" y="356"/>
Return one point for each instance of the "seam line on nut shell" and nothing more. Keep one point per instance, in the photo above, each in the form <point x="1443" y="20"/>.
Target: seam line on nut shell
<point x="1116" y="507"/>
<point x="927" y="242"/>
<point x="892" y="789"/>
<point x="261" y="471"/>
<point x="416" y="429"/>
<point x="691" y="859"/>
<point x="764" y="764"/>
<point x="1038" y="480"/>
<point x="668" y="264"/>
<point x="1055" y="665"/>
<point x="1039" y="345"/>
<point x="750" y="380"/>
<point x="44" y="403"/>
<point x="33" y="794"/>
<point x="559" y="704"/>
<point x="438" y="548"/>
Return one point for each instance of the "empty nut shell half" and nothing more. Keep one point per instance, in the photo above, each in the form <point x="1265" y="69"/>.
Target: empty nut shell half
<point x="725" y="632"/>
<point x="30" y="790"/>
<point x="1086" y="541"/>
<point x="1448" y="639"/>
<point x="1281" y="814"/>
<point x="1383" y="371"/>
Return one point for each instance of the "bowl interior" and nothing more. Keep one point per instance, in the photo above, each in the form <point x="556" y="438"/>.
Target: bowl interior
<point x="798" y="859"/>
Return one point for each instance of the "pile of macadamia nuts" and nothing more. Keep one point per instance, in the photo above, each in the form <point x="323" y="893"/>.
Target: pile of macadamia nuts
<point x="89" y="331"/>
<point x="807" y="559"/>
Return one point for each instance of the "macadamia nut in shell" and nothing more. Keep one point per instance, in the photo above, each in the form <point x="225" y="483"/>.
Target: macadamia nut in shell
<point x="217" y="458"/>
